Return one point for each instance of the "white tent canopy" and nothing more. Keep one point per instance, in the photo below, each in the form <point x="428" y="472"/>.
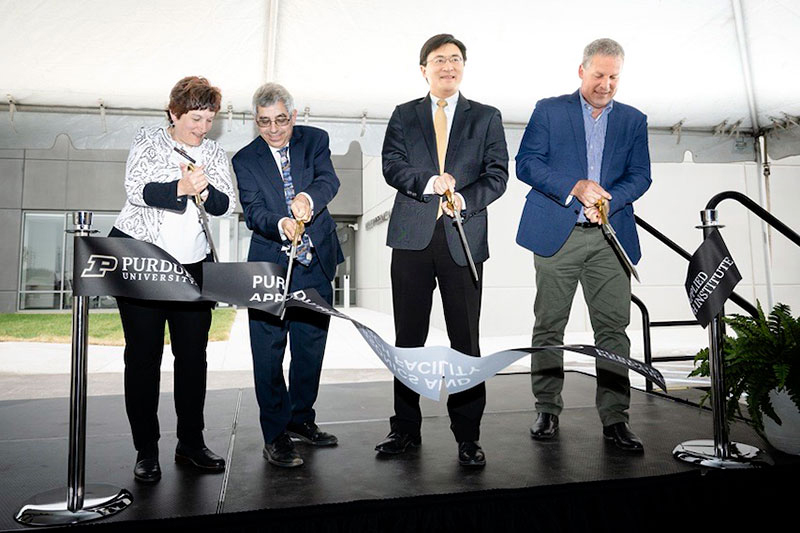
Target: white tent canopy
<point x="711" y="65"/>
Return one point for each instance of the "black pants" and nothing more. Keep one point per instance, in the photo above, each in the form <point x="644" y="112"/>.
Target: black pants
<point x="414" y="277"/>
<point x="143" y="322"/>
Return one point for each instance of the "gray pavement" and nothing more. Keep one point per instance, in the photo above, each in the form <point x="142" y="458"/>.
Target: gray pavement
<point x="41" y="370"/>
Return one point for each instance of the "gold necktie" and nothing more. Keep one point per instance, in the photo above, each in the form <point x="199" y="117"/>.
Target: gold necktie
<point x="440" y="127"/>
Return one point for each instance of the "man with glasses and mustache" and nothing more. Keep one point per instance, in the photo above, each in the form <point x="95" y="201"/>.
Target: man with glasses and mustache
<point x="437" y="145"/>
<point x="286" y="175"/>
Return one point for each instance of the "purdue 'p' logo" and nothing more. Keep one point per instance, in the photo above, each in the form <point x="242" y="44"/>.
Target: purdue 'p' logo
<point x="98" y="265"/>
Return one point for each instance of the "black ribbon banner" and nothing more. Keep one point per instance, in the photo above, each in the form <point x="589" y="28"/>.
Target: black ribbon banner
<point x="127" y="267"/>
<point x="711" y="278"/>
<point x="136" y="269"/>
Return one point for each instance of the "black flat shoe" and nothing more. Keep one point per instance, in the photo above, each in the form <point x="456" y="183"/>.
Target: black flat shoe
<point x="470" y="454"/>
<point x="545" y="427"/>
<point x="201" y="458"/>
<point x="623" y="437"/>
<point x="281" y="452"/>
<point x="309" y="433"/>
<point x="147" y="469"/>
<point x="396" y="443"/>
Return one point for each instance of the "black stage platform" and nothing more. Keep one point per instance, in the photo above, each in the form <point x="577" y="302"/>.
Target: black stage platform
<point x="577" y="482"/>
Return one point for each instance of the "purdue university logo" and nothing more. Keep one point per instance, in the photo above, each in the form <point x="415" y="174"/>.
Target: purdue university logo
<point x="98" y="265"/>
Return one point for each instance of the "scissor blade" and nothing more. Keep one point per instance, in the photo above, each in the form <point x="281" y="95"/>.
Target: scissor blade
<point x="457" y="216"/>
<point x="288" y="279"/>
<point x="626" y="261"/>
<point x="611" y="235"/>
<point x="467" y="252"/>
<point x="184" y="154"/>
<point x="204" y="222"/>
<point x="298" y="229"/>
<point x="199" y="203"/>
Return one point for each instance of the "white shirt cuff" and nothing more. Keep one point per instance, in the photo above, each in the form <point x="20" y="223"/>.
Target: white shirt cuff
<point x="310" y="201"/>
<point x="429" y="186"/>
<point x="280" y="228"/>
<point x="463" y="202"/>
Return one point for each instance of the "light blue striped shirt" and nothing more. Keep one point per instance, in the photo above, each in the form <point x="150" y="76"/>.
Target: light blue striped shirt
<point x="595" y="130"/>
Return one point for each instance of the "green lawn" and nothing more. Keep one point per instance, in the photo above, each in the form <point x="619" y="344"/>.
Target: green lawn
<point x="104" y="328"/>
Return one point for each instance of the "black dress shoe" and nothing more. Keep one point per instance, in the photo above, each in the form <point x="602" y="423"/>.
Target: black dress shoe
<point x="281" y="452"/>
<point x="470" y="454"/>
<point x="545" y="427"/>
<point x="309" y="433"/>
<point x="147" y="469"/>
<point x="397" y="442"/>
<point x="623" y="437"/>
<point x="202" y="458"/>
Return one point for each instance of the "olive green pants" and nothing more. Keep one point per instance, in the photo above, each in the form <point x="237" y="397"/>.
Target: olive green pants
<point x="586" y="257"/>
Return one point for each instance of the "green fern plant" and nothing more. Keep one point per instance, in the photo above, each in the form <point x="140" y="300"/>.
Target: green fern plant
<point x="764" y="355"/>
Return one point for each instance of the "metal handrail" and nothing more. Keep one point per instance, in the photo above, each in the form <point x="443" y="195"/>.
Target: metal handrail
<point x="757" y="210"/>
<point x="646" y="341"/>
<point x="647" y="324"/>
<point x="648" y="350"/>
<point x="734" y="297"/>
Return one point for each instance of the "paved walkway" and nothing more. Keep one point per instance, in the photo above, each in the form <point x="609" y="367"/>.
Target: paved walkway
<point x="39" y="370"/>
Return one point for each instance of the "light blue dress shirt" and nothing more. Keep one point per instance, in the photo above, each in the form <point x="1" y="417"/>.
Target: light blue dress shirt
<point x="595" y="130"/>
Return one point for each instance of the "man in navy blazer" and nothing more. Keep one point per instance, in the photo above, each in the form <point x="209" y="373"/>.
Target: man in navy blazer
<point x="578" y="149"/>
<point x="442" y="142"/>
<point x="286" y="175"/>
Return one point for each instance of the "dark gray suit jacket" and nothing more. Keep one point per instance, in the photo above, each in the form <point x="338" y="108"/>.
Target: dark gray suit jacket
<point x="477" y="158"/>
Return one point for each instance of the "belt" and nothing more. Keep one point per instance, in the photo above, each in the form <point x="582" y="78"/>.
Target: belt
<point x="586" y="225"/>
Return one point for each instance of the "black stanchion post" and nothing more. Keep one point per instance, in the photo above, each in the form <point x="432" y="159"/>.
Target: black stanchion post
<point x="720" y="452"/>
<point x="83" y="502"/>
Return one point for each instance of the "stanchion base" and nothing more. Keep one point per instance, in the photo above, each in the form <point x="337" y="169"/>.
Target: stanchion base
<point x="702" y="453"/>
<point x="50" y="508"/>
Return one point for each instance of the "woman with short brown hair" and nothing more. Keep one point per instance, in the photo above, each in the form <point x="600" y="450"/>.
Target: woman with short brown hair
<point x="160" y="208"/>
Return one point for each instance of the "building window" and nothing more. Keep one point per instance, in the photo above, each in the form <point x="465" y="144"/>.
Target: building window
<point x="41" y="282"/>
<point x="47" y="256"/>
<point x="46" y="269"/>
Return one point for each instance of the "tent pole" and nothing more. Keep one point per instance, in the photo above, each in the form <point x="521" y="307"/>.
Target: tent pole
<point x="763" y="184"/>
<point x="763" y="200"/>
<point x="272" y="40"/>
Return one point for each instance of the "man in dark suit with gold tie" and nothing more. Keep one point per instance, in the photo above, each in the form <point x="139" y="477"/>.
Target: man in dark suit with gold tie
<point x="442" y="142"/>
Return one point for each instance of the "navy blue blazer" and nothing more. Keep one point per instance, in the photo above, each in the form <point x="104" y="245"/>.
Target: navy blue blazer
<point x="261" y="193"/>
<point x="552" y="158"/>
<point x="477" y="158"/>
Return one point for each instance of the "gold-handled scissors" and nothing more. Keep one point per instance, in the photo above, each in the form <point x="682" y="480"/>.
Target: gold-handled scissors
<point x="457" y="216"/>
<point x="611" y="235"/>
<point x="201" y="210"/>
<point x="299" y="227"/>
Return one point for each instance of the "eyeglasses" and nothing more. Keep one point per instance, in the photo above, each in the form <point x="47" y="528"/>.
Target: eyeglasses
<point x="266" y="122"/>
<point x="439" y="61"/>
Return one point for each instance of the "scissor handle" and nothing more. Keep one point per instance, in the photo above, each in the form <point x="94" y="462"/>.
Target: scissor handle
<point x="450" y="203"/>
<point x="299" y="225"/>
<point x="602" y="207"/>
